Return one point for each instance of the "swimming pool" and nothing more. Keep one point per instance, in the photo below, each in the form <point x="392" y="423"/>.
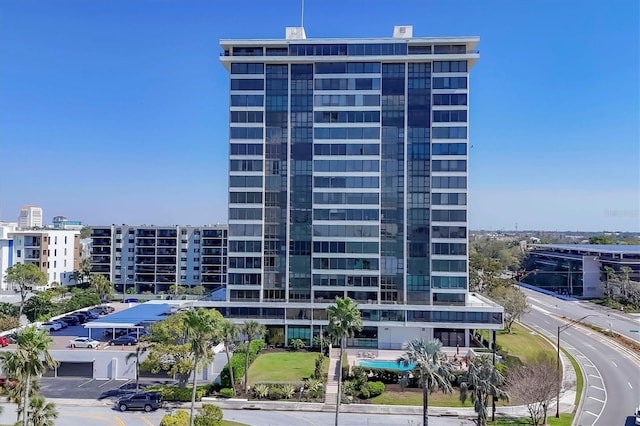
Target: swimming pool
<point x="383" y="364"/>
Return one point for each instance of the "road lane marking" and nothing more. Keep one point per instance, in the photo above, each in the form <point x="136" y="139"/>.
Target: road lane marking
<point x="589" y="365"/>
<point x="591" y="346"/>
<point x="614" y="364"/>
<point x="629" y="383"/>
<point x="596" y="399"/>
<point x="593" y="375"/>
<point x="119" y="421"/>
<point x="544" y="311"/>
<point x="596" y="387"/>
<point x="146" y="421"/>
<point x="589" y="412"/>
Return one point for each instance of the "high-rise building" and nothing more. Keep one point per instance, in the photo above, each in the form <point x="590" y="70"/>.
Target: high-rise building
<point x="348" y="177"/>
<point x="30" y="217"/>
<point x="61" y="222"/>
<point x="155" y="258"/>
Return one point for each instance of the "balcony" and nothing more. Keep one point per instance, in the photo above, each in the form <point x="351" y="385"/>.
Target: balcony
<point x="207" y="242"/>
<point x="149" y="242"/>
<point x="167" y="233"/>
<point x="101" y="242"/>
<point x="146" y="233"/>
<point x="32" y="241"/>
<point x="167" y="242"/>
<point x="100" y="232"/>
<point x="167" y="251"/>
<point x="143" y="251"/>
<point x="100" y="259"/>
<point x="100" y="250"/>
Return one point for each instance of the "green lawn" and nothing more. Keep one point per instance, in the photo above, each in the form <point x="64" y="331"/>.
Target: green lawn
<point x="564" y="420"/>
<point x="284" y="367"/>
<point x="414" y="397"/>
<point x="230" y="423"/>
<point x="524" y="344"/>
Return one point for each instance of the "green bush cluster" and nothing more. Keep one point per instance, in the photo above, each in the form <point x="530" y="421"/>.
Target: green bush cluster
<point x="274" y="391"/>
<point x="179" y="394"/>
<point x="237" y="362"/>
<point x="297" y="344"/>
<point x="359" y="384"/>
<point x="47" y="304"/>
<point x="226" y="392"/>
<point x="378" y="374"/>
<point x="208" y="415"/>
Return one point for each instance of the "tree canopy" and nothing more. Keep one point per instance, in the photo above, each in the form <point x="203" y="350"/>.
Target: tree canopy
<point x="25" y="276"/>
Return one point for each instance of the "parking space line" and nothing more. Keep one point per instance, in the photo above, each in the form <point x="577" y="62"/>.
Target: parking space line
<point x="85" y="383"/>
<point x="119" y="421"/>
<point x="146" y="421"/>
<point x="105" y="383"/>
<point x="596" y="399"/>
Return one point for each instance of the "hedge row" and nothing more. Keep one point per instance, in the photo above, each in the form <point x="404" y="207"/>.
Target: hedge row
<point x="238" y="361"/>
<point x="178" y="394"/>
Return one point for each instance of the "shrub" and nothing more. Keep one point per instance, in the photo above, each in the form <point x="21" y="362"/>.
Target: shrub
<point x="363" y="393"/>
<point x="237" y="362"/>
<point x="261" y="390"/>
<point x="208" y="415"/>
<point x="176" y="393"/>
<point x="317" y="371"/>
<point x="348" y="388"/>
<point x="179" y="418"/>
<point x="344" y="364"/>
<point x="275" y="392"/>
<point x="287" y="391"/>
<point x="297" y="344"/>
<point x="314" y="388"/>
<point x="375" y="388"/>
<point x="226" y="392"/>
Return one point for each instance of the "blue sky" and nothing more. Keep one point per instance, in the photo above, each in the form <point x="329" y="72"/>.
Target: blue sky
<point x="115" y="111"/>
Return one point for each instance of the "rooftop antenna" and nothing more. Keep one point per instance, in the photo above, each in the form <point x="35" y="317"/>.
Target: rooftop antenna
<point x="302" y="17"/>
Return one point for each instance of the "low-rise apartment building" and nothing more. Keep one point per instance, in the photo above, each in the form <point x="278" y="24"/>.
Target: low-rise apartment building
<point x="55" y="252"/>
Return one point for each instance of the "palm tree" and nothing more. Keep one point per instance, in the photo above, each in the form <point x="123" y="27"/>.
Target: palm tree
<point x="41" y="412"/>
<point x="478" y="382"/>
<point x="431" y="365"/>
<point x="201" y="327"/>
<point x="31" y="359"/>
<point x="344" y="321"/>
<point x="101" y="285"/>
<point x="12" y="367"/>
<point x="140" y="350"/>
<point x="76" y="277"/>
<point x="253" y="330"/>
<point x="85" y="269"/>
<point x="228" y="335"/>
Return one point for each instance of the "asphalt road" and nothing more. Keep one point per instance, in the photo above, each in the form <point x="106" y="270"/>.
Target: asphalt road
<point x="103" y="416"/>
<point x="612" y="378"/>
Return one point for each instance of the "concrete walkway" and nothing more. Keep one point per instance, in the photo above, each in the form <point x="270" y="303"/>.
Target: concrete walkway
<point x="333" y="375"/>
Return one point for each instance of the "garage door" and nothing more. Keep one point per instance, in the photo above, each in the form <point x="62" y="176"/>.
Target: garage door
<point x="75" y="369"/>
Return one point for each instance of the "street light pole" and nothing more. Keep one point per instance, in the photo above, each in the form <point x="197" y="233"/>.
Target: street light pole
<point x="561" y="328"/>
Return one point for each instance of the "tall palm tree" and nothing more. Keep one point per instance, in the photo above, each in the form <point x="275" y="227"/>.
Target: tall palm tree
<point x="32" y="357"/>
<point x="478" y="382"/>
<point x="41" y="412"/>
<point x="431" y="365"/>
<point x="202" y="328"/>
<point x="253" y="330"/>
<point x="140" y="350"/>
<point x="228" y="335"/>
<point x="344" y="321"/>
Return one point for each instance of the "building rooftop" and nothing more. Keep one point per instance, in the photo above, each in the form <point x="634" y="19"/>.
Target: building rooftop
<point x="132" y="317"/>
<point x="593" y="248"/>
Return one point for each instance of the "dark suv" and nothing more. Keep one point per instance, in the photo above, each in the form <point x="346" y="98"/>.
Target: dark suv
<point x="140" y="401"/>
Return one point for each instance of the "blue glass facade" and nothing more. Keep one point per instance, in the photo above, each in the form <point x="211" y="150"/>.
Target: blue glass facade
<point x="348" y="177"/>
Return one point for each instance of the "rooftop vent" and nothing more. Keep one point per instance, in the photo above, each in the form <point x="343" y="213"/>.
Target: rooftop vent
<point x="295" y="33"/>
<point x="403" y="31"/>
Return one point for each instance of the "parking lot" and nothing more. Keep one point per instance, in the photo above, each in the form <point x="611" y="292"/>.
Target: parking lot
<point x="83" y="388"/>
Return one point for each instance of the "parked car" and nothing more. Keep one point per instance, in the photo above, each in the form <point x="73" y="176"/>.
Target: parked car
<point x="132" y="300"/>
<point x="50" y="326"/>
<point x="62" y="322"/>
<point x="82" y="317"/>
<point x="124" y="340"/>
<point x="90" y="315"/>
<point x="84" y="342"/>
<point x="71" y="320"/>
<point x="140" y="401"/>
<point x="103" y="309"/>
<point x="4" y="341"/>
<point x="139" y="333"/>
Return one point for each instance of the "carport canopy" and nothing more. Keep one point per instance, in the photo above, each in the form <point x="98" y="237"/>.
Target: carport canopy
<point x="134" y="317"/>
